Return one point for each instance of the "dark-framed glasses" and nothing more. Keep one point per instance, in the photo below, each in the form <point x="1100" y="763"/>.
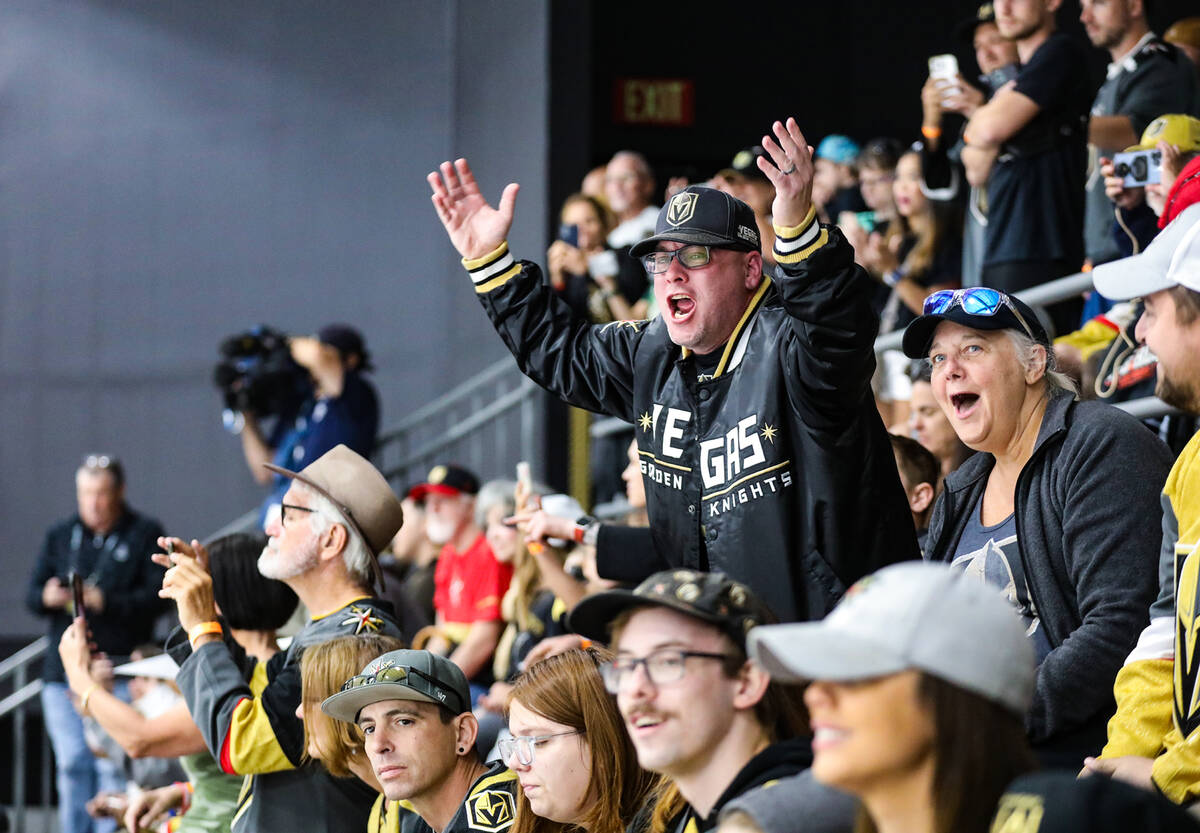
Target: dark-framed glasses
<point x="523" y="749"/>
<point x="689" y="257"/>
<point x="975" y="300"/>
<point x="284" y="508"/>
<point x="666" y="665"/>
<point x="413" y="678"/>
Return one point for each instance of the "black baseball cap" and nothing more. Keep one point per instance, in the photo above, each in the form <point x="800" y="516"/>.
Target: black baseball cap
<point x="745" y="162"/>
<point x="347" y="341"/>
<point x="965" y="30"/>
<point x="704" y="216"/>
<point x="447" y="480"/>
<point x="710" y="597"/>
<point x="1005" y="312"/>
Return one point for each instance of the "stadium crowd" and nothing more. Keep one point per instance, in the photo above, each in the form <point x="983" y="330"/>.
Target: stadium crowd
<point x="945" y="588"/>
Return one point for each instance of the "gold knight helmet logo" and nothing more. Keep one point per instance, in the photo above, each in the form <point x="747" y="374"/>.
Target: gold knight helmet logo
<point x="681" y="208"/>
<point x="491" y="811"/>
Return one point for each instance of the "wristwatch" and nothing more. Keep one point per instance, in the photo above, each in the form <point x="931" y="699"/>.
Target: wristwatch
<point x="587" y="529"/>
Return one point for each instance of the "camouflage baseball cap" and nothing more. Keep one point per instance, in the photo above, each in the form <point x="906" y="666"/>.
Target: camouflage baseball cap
<point x="710" y="597"/>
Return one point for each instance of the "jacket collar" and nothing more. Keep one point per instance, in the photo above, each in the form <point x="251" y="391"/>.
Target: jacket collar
<point x="735" y="349"/>
<point x="1054" y="423"/>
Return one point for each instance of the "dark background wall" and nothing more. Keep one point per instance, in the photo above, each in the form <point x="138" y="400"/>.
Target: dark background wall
<point x="171" y="173"/>
<point x="853" y="67"/>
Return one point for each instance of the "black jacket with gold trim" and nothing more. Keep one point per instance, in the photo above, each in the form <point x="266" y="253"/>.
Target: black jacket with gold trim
<point x="489" y="807"/>
<point x="246" y="711"/>
<point x="777" y="470"/>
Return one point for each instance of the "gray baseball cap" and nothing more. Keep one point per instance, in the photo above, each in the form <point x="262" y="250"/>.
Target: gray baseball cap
<point x="914" y="615"/>
<point x="402" y="675"/>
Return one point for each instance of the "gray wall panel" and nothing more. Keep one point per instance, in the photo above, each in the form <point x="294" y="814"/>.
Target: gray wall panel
<point x="171" y="173"/>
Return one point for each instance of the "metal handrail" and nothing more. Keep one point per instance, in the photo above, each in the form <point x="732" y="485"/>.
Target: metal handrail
<point x="506" y="402"/>
<point x="31" y="652"/>
<point x="20" y="697"/>
<point x="447" y="400"/>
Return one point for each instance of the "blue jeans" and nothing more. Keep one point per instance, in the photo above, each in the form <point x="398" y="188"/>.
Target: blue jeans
<point x="79" y="775"/>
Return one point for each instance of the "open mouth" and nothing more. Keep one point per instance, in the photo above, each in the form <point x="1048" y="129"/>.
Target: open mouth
<point x="681" y="306"/>
<point x="645" y="723"/>
<point x="963" y="403"/>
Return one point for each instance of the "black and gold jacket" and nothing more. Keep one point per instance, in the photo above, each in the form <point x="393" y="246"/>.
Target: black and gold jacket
<point x="774" y="466"/>
<point x="489" y="807"/>
<point x="246" y="711"/>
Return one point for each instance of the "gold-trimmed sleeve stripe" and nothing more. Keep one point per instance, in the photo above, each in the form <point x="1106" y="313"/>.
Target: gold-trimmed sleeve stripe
<point x="491" y="270"/>
<point x="795" y="243"/>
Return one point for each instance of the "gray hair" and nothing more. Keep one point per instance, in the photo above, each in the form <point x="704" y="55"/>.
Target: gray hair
<point x="356" y="555"/>
<point x="1027" y="350"/>
<point x="639" y="161"/>
<point x="494" y="493"/>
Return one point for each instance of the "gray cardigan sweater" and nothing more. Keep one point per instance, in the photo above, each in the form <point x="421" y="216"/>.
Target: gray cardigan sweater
<point x="1088" y="523"/>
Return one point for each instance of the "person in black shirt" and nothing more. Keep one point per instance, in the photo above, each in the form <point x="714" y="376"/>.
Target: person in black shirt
<point x="1029" y="145"/>
<point x="109" y="545"/>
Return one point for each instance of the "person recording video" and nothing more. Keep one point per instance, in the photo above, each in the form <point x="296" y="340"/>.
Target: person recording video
<point x="341" y="408"/>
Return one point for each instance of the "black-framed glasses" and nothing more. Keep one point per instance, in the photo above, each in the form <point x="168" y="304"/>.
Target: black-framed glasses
<point x="689" y="257"/>
<point x="975" y="300"/>
<point x="666" y="665"/>
<point x="285" y="507"/>
<point x="525" y="748"/>
<point x="413" y="678"/>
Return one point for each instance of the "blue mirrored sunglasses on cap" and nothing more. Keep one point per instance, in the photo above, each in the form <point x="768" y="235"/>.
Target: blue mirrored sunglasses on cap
<point x="975" y="300"/>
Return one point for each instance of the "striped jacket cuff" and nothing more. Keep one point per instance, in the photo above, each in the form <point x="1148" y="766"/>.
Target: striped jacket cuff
<point x="795" y="243"/>
<point x="492" y="270"/>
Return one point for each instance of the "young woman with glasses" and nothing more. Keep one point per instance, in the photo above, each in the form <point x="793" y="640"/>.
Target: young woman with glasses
<point x="569" y="749"/>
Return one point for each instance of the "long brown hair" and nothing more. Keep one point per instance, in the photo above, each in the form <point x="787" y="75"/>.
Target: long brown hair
<point x="324" y="667"/>
<point x="567" y="688"/>
<point x="979" y="747"/>
<point x="931" y="232"/>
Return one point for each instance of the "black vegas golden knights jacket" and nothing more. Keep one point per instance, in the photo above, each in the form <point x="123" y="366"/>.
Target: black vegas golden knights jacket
<point x="775" y="468"/>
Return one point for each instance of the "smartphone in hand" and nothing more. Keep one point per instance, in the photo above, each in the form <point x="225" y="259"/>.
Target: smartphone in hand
<point x="77" y="594"/>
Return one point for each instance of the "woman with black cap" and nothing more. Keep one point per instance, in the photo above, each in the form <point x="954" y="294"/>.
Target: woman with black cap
<point x="1060" y="507"/>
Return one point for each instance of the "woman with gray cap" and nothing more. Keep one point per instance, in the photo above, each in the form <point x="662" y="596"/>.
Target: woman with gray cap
<point x="1059" y="509"/>
<point x="920" y="680"/>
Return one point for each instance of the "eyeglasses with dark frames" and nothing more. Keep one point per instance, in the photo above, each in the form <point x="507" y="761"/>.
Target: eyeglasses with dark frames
<point x="285" y="507"/>
<point x="666" y="665"/>
<point x="425" y="683"/>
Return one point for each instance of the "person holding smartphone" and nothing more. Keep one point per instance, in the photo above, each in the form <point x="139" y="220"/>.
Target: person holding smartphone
<point x="588" y="275"/>
<point x="109" y="545"/>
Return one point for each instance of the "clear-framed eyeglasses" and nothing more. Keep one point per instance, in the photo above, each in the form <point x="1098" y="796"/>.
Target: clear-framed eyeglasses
<point x="666" y="665"/>
<point x="524" y="748"/>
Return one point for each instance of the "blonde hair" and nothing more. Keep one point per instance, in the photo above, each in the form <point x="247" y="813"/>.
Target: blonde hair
<point x="324" y="667"/>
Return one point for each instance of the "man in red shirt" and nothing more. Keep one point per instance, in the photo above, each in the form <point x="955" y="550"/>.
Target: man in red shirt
<point x="469" y="583"/>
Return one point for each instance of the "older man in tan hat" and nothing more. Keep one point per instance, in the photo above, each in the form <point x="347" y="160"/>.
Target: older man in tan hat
<point x="337" y="515"/>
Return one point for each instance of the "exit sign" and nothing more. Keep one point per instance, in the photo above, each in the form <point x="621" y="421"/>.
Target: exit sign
<point x="663" y="102"/>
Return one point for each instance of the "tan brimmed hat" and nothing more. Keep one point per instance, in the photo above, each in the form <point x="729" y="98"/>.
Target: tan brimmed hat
<point x="359" y="492"/>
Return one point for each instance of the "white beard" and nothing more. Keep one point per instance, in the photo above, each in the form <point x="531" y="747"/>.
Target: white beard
<point x="274" y="564"/>
<point x="438" y="530"/>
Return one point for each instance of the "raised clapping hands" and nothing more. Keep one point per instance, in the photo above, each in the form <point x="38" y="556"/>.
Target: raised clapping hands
<point x="475" y="228"/>
<point x="792" y="173"/>
<point x="187" y="580"/>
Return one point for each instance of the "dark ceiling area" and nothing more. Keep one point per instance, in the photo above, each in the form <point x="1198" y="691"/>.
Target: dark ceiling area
<point x="850" y="67"/>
